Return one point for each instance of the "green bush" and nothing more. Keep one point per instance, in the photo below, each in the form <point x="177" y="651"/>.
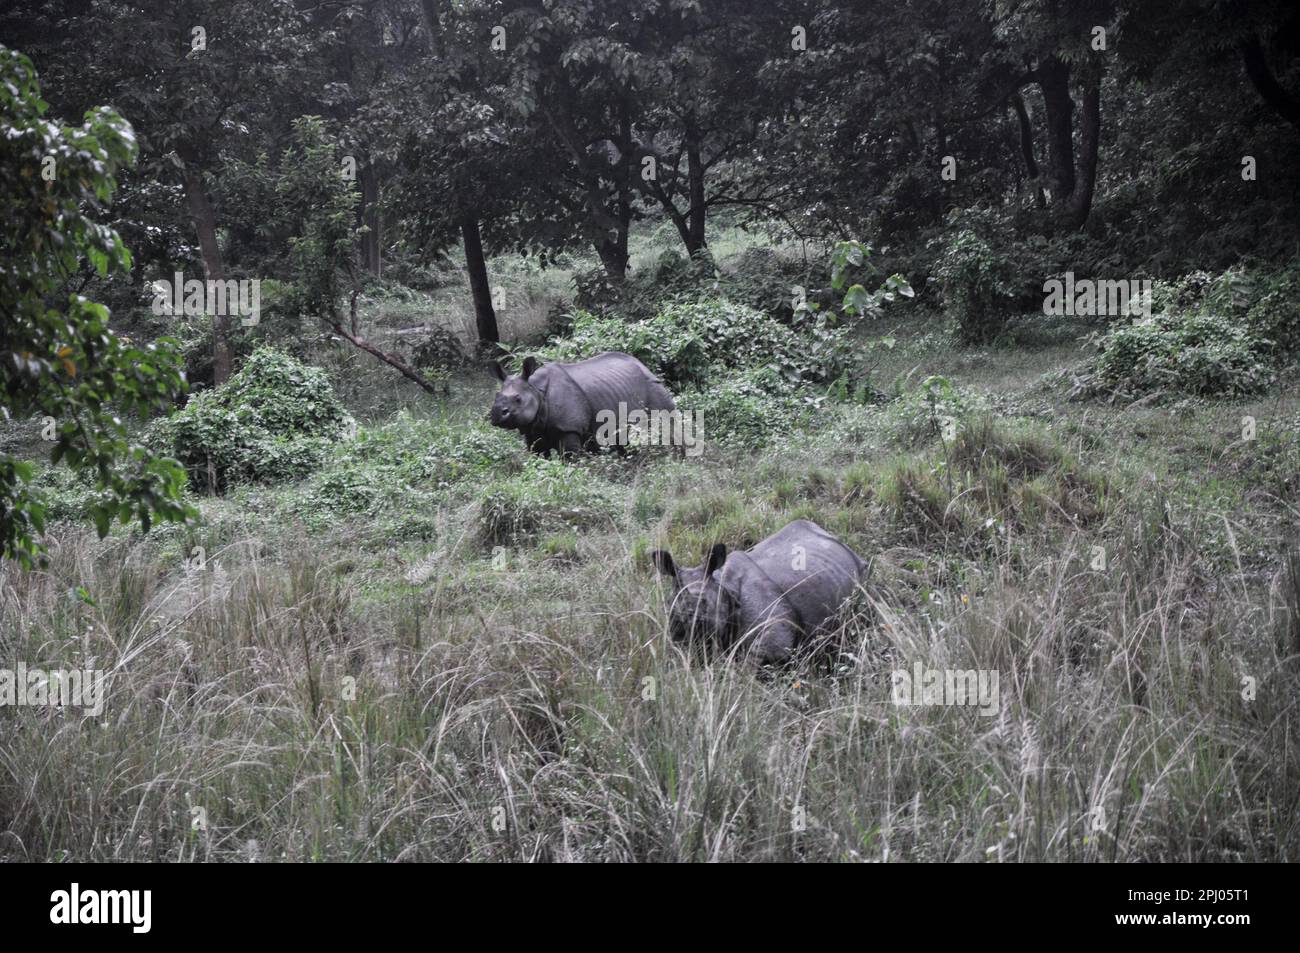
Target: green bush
<point x="989" y="265"/>
<point x="1274" y="312"/>
<point x="274" y="420"/>
<point x="659" y="343"/>
<point x="277" y="323"/>
<point x="468" y="452"/>
<point x="399" y="476"/>
<point x="1212" y="335"/>
<point x="689" y="343"/>
<point x="761" y="278"/>
<point x="1187" y="353"/>
<point x="748" y="408"/>
<point x="1184" y="293"/>
<point x="66" y="494"/>
<point x="594" y="290"/>
<point x="925" y="411"/>
<point x="978" y="286"/>
<point x="382" y="463"/>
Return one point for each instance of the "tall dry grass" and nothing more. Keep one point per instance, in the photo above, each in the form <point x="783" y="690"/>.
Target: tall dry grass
<point x="268" y="708"/>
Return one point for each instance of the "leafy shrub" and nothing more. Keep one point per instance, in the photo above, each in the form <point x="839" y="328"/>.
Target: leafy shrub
<point x="1274" y="312"/>
<point x="748" y="408"/>
<point x="977" y="285"/>
<point x="274" y="420"/>
<point x="850" y="260"/>
<point x="1213" y="335"/>
<point x="437" y="354"/>
<point x="1184" y="293"/>
<point x="468" y="452"/>
<point x="594" y="290"/>
<point x="546" y="495"/>
<point x="691" y="342"/>
<point x="381" y="463"/>
<point x="1188" y="353"/>
<point x="761" y="278"/>
<point x="658" y="343"/>
<point x="923" y="413"/>
<point x="989" y="265"/>
<point x="66" y="494"/>
<point x="277" y="323"/>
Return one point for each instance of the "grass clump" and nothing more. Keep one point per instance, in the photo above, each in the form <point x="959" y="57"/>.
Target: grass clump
<point x="989" y="480"/>
<point x="546" y="495"/>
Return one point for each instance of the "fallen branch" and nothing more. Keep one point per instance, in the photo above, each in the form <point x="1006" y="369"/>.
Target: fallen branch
<point x="395" y="362"/>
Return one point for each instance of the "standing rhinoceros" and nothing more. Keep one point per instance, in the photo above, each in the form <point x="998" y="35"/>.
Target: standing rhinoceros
<point x="767" y="600"/>
<point x="556" y="406"/>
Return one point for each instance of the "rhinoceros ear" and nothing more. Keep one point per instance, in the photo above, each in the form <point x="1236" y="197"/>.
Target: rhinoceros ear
<point x="663" y="561"/>
<point x="498" y="371"/>
<point x="717" y="556"/>
<point x="530" y="365"/>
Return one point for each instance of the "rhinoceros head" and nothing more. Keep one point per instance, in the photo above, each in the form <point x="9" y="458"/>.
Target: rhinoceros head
<point x="518" y="402"/>
<point x="701" y="608"/>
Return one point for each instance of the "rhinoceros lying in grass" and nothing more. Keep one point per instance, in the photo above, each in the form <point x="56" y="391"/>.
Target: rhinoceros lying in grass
<point x="563" y="406"/>
<point x="767" y="600"/>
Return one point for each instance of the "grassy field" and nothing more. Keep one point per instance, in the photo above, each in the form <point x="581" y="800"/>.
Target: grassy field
<point x="435" y="648"/>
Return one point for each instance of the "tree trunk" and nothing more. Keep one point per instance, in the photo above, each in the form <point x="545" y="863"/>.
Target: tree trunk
<point x="613" y="248"/>
<point x="1053" y="77"/>
<point x="680" y="221"/>
<point x="205" y="224"/>
<point x="1272" y="92"/>
<point x="695" y="239"/>
<point x="689" y="224"/>
<point x="1089" y="141"/>
<point x="1027" y="147"/>
<point x="371" y="257"/>
<point x="613" y="253"/>
<point x="485" y="318"/>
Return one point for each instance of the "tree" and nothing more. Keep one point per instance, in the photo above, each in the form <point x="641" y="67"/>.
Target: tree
<point x="322" y="203"/>
<point x="706" y="106"/>
<point x="59" y="359"/>
<point x="468" y="170"/>
<point x="579" y="77"/>
<point x="190" y="75"/>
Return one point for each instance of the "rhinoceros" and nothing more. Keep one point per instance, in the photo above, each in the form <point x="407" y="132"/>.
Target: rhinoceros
<point x="559" y="406"/>
<point x="765" y="601"/>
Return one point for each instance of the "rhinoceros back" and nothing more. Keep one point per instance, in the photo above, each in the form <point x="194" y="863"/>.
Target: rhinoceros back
<point x="812" y="569"/>
<point x="576" y="393"/>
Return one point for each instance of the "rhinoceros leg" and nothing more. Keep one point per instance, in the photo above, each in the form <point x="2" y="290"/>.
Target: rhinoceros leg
<point x="570" y="446"/>
<point x="539" y="444"/>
